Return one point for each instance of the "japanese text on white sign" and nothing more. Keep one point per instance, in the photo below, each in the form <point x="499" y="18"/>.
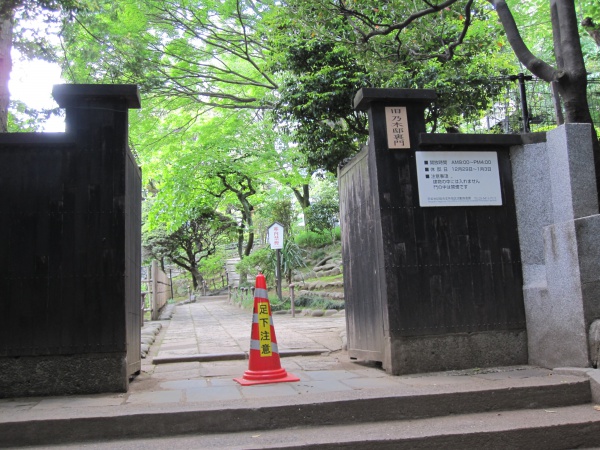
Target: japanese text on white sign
<point x="397" y="127"/>
<point x="458" y="178"/>
<point x="276" y="236"/>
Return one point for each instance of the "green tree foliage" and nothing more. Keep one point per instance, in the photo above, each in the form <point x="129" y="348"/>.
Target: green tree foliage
<point x="321" y="66"/>
<point x="319" y="81"/>
<point x="203" y="53"/>
<point x="226" y="158"/>
<point x="195" y="240"/>
<point x="323" y="214"/>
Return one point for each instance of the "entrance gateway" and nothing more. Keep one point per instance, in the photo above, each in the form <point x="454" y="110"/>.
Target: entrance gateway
<point x="433" y="276"/>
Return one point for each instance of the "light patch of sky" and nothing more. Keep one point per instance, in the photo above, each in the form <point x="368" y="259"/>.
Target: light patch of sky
<point x="31" y="82"/>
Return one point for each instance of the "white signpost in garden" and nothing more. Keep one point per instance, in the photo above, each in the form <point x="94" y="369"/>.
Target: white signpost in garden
<point x="275" y="235"/>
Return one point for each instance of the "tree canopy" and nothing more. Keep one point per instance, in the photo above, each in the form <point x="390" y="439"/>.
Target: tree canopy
<point x="247" y="102"/>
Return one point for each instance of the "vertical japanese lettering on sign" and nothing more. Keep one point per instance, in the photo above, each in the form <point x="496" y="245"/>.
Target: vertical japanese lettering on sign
<point x="397" y="127"/>
<point x="264" y="329"/>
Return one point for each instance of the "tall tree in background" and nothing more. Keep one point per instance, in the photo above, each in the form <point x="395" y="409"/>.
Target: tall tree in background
<point x="372" y="21"/>
<point x="11" y="12"/>
<point x="196" y="239"/>
<point x="202" y="53"/>
<point x="321" y="67"/>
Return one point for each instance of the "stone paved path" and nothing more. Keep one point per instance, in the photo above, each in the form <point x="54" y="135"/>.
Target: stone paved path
<point x="212" y="325"/>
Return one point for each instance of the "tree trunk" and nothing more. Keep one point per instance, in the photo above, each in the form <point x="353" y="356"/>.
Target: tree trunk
<point x="592" y="28"/>
<point x="240" y="243"/>
<point x="6" y="33"/>
<point x="572" y="75"/>
<point x="570" y="72"/>
<point x="250" y="242"/>
<point x="572" y="81"/>
<point x="303" y="198"/>
<point x="196" y="277"/>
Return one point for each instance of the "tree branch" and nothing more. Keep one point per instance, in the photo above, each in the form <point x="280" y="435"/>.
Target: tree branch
<point x="535" y="65"/>
<point x="383" y="29"/>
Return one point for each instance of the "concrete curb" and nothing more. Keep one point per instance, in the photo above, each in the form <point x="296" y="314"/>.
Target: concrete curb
<point x="282" y="415"/>
<point x="236" y="356"/>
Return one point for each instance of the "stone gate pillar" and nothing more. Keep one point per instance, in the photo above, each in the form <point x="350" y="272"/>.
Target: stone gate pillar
<point x="559" y="225"/>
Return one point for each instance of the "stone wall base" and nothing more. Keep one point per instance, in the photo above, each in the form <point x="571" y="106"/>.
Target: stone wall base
<point x="455" y="352"/>
<point x="27" y="376"/>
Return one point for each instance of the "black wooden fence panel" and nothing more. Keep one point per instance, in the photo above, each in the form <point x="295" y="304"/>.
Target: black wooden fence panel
<point x="70" y="232"/>
<point x="133" y="262"/>
<point x="452" y="269"/>
<point x="363" y="260"/>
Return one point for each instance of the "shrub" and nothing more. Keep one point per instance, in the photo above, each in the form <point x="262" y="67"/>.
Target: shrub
<point x="312" y="239"/>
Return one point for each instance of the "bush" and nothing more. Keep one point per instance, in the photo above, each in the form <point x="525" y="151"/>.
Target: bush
<point x="322" y="215"/>
<point x="314" y="302"/>
<point x="312" y="239"/>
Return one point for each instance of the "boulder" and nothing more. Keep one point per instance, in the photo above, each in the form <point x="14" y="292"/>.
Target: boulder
<point x="324" y="267"/>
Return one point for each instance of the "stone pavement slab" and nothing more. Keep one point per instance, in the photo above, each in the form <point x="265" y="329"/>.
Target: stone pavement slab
<point x="210" y="323"/>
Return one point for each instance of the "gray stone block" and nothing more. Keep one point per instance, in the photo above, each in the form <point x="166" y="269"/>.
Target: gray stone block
<point x="571" y="171"/>
<point x="568" y="339"/>
<point x="456" y="352"/>
<point x="63" y="375"/>
<point x="533" y="204"/>
<point x="594" y="375"/>
<point x="587" y="233"/>
<point x="539" y="329"/>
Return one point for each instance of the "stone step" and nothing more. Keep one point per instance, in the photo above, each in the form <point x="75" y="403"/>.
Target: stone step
<point x="547" y="429"/>
<point x="334" y="409"/>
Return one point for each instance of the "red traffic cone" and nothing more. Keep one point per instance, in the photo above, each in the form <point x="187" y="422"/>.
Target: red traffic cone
<point x="264" y="365"/>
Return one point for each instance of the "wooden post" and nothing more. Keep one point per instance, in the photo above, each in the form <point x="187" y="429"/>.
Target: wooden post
<point x="154" y="281"/>
<point x="279" y="275"/>
<point x="292" y="300"/>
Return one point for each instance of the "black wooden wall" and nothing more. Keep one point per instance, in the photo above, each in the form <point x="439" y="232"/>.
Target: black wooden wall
<point x="413" y="271"/>
<point x="364" y="283"/>
<point x="70" y="230"/>
<point x="451" y="269"/>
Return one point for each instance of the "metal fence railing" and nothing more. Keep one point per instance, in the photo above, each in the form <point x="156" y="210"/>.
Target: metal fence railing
<point x="515" y="95"/>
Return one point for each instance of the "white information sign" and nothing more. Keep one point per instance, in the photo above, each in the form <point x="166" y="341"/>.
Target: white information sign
<point x="458" y="178"/>
<point x="275" y="234"/>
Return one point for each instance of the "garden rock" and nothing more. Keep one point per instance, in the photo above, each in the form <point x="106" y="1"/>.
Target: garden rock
<point x="332" y="272"/>
<point x="324" y="267"/>
<point x="149" y="332"/>
<point x="323" y="261"/>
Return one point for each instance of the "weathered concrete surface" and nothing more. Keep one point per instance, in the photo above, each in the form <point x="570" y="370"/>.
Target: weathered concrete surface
<point x="63" y="375"/>
<point x="458" y="351"/>
<point x="559" y="428"/>
<point x="201" y="400"/>
<point x="269" y="407"/>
